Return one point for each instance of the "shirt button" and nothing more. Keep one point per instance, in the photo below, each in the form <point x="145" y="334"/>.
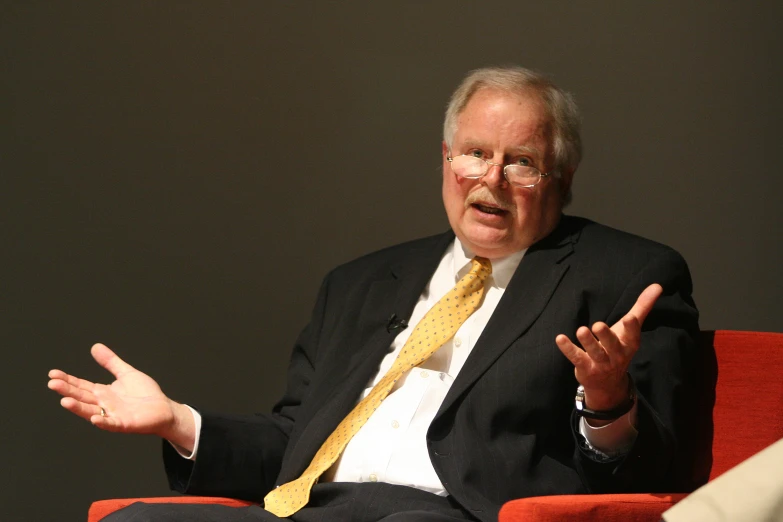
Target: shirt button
<point x="395" y="424"/>
<point x="373" y="477"/>
<point x="442" y="376"/>
<point x="457" y="342"/>
<point x="424" y="374"/>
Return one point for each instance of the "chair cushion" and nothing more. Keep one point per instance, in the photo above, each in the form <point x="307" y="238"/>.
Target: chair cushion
<point x="103" y="508"/>
<point x="642" y="507"/>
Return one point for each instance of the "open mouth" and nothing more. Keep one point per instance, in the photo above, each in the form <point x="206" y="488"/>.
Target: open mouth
<point x="487" y="209"/>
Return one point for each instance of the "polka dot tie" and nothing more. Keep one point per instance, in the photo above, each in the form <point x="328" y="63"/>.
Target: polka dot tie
<point x="439" y="325"/>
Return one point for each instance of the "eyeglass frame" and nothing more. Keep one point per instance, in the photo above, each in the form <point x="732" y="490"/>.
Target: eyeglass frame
<point x="541" y="175"/>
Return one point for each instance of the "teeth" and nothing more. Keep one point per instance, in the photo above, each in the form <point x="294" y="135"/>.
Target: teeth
<point x="489" y="210"/>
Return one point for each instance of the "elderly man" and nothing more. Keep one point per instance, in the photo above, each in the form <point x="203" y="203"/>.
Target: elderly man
<point x="437" y="379"/>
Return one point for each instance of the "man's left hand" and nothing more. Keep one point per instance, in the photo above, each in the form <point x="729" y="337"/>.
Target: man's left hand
<point x="602" y="366"/>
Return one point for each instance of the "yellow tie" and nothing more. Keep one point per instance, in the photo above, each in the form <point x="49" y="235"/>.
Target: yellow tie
<point x="439" y="325"/>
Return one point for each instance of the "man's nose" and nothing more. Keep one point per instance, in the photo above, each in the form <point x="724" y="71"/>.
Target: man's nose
<point x="494" y="176"/>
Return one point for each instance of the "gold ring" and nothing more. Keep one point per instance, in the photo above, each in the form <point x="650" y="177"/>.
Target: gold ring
<point x="103" y="412"/>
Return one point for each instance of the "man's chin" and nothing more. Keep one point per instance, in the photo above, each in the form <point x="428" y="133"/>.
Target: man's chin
<point x="489" y="245"/>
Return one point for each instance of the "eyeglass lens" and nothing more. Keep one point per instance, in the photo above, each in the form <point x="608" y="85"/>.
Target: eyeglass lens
<point x="472" y="167"/>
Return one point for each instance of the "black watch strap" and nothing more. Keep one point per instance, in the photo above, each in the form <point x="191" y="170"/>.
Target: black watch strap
<point x="612" y="414"/>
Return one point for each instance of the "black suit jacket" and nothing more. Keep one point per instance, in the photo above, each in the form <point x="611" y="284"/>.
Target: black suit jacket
<point x="506" y="428"/>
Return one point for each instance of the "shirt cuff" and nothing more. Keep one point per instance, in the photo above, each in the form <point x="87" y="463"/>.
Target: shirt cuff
<point x="182" y="452"/>
<point x="613" y="439"/>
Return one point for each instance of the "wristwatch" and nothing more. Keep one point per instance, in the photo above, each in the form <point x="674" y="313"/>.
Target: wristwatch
<point x="612" y="414"/>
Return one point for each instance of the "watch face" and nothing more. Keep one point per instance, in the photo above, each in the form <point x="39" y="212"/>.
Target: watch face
<point x="580" y="398"/>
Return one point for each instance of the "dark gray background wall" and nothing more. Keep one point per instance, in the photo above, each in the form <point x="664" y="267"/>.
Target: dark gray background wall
<point x="176" y="178"/>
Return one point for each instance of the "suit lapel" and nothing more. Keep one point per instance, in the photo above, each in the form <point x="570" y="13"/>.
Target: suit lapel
<point x="528" y="293"/>
<point x="396" y="296"/>
<point x="396" y="292"/>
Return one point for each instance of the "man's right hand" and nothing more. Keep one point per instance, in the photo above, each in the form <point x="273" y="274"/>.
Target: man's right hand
<point x="133" y="403"/>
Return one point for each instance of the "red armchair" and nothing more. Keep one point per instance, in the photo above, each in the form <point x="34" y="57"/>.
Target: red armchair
<point x="749" y="368"/>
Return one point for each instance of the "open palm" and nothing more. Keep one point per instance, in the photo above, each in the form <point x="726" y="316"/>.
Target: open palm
<point x="133" y="403"/>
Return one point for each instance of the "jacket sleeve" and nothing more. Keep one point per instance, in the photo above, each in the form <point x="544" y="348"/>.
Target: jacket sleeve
<point x="675" y="378"/>
<point x="240" y="456"/>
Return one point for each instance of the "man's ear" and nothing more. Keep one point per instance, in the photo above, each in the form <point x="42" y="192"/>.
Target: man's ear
<point x="566" y="178"/>
<point x="445" y="152"/>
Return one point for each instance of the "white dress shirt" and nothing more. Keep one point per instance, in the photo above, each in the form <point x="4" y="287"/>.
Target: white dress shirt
<point x="391" y="447"/>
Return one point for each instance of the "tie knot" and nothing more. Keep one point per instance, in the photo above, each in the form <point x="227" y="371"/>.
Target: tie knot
<point x="481" y="267"/>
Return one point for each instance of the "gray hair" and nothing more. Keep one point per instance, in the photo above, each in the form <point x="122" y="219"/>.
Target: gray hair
<point x="559" y="104"/>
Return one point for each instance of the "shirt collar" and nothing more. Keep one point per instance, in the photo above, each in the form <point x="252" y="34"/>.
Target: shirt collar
<point x="502" y="268"/>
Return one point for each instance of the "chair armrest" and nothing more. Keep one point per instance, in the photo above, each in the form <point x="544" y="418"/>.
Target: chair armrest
<point x="102" y="508"/>
<point x="641" y="507"/>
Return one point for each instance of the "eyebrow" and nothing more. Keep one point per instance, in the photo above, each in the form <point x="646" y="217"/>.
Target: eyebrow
<point x="518" y="148"/>
<point x="525" y="148"/>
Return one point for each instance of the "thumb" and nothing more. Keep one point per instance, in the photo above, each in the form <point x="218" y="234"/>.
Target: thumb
<point x="645" y="302"/>
<point x="109" y="360"/>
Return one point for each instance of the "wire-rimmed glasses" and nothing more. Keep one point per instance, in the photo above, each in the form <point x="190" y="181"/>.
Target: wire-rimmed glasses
<point x="473" y="167"/>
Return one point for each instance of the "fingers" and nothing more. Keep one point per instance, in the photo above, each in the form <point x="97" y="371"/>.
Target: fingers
<point x="572" y="352"/>
<point x="601" y="348"/>
<point x="109" y="360"/>
<point x="77" y="392"/>
<point x="58" y="375"/>
<point x="606" y="352"/>
<point x="81" y="397"/>
<point x="92" y="413"/>
<point x="602" y="345"/>
<point x="83" y="410"/>
<point x="591" y="345"/>
<point x="107" y="423"/>
<point x="613" y="346"/>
